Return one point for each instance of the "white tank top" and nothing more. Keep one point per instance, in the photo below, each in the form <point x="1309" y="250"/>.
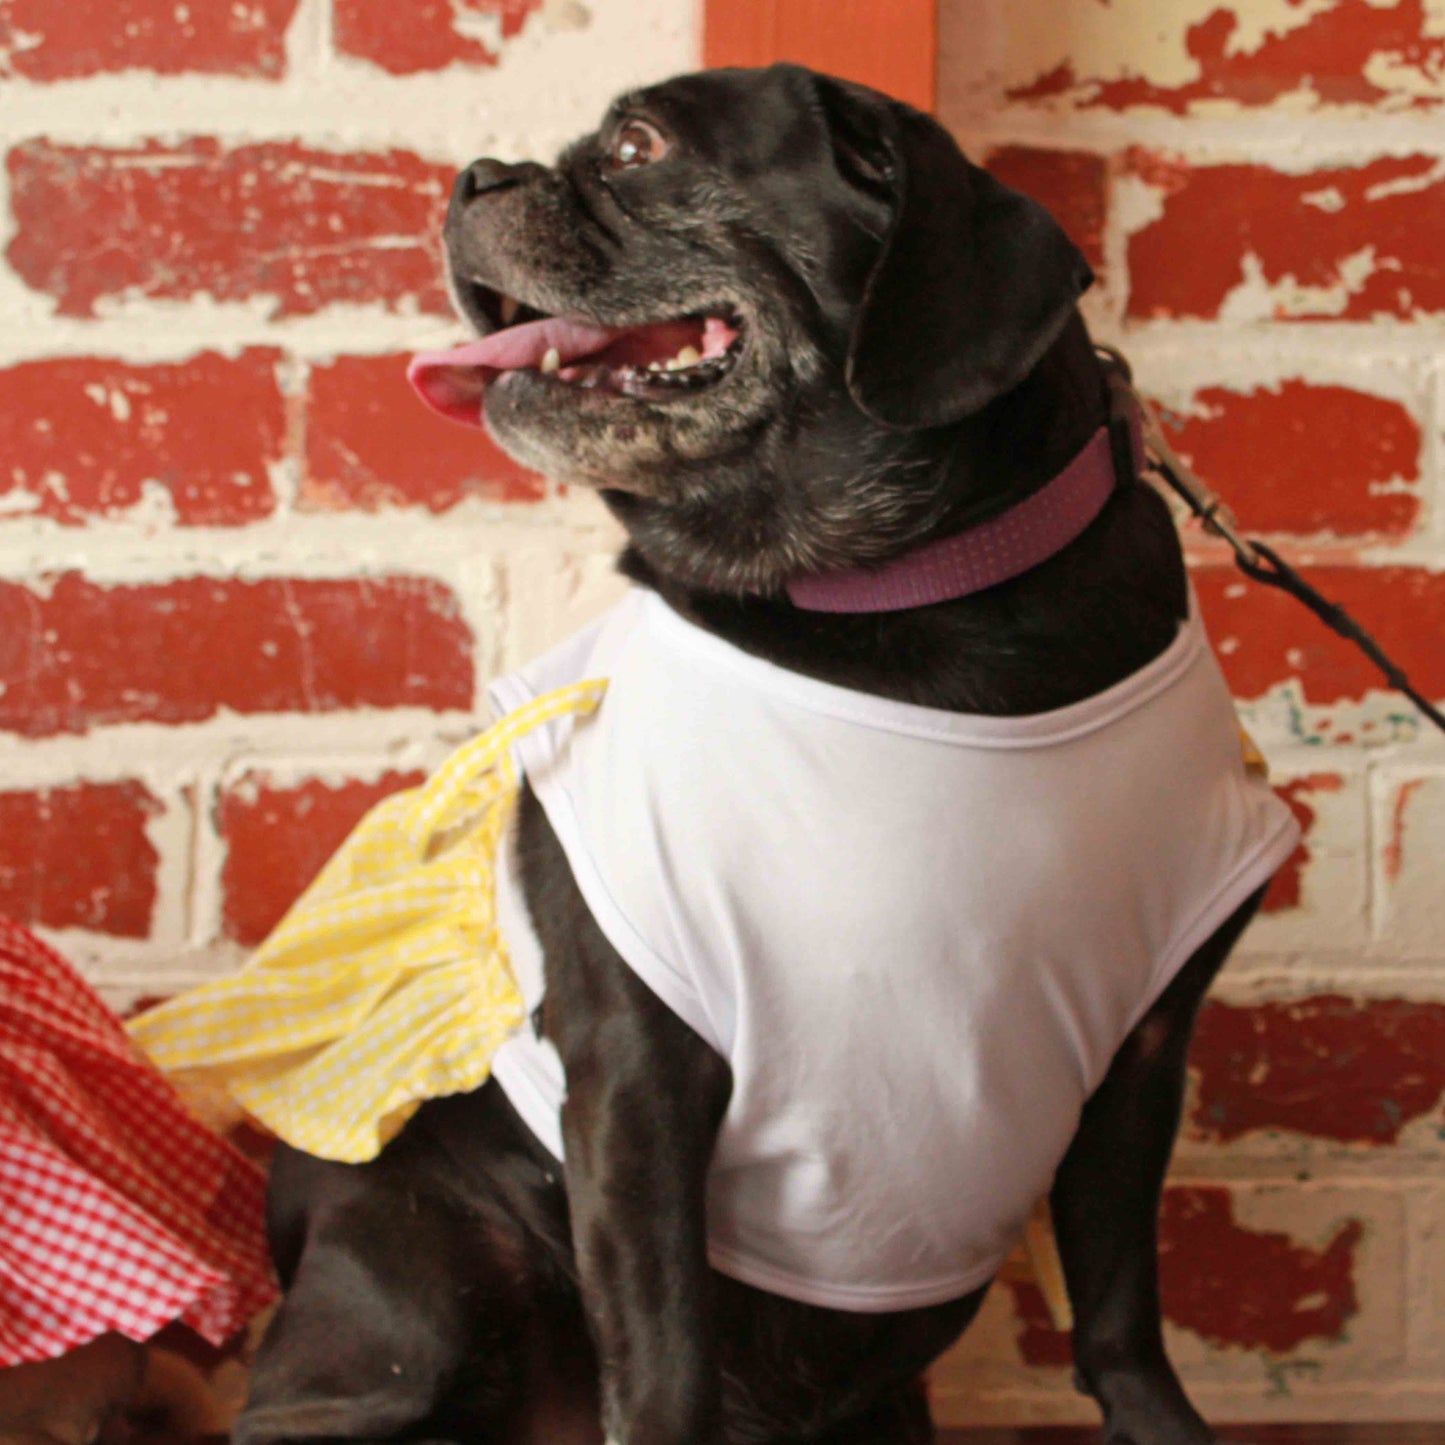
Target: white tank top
<point x="917" y="937"/>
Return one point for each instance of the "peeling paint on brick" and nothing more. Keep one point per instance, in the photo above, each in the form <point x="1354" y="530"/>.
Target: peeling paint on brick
<point x="1335" y="52"/>
<point x="1275" y="252"/>
<point x="296" y="227"/>
<point x="427" y="34"/>
<point x="1356" y="1071"/>
<point x="1285" y="887"/>
<point x="1266" y="638"/>
<point x="80" y="655"/>
<point x="1312" y="459"/>
<point x="64" y="39"/>
<point x="1251" y="1289"/>
<point x="92" y="437"/>
<point x="1235" y="1287"/>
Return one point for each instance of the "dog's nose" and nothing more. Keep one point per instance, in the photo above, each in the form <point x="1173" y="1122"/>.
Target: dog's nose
<point x="483" y="176"/>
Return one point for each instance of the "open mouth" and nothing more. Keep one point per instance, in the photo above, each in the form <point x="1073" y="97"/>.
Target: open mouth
<point x="658" y="360"/>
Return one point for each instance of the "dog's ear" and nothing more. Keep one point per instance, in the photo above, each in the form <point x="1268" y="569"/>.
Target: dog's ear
<point x="973" y="284"/>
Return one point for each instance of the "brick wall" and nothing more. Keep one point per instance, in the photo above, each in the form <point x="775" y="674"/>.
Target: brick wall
<point x="247" y="586"/>
<point x="1261" y="184"/>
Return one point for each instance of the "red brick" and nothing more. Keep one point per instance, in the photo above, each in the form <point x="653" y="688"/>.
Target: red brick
<point x="1227" y="1283"/>
<point x="1072" y="184"/>
<point x="1326" y="57"/>
<point x="1256" y="1289"/>
<point x="1267" y="637"/>
<point x="1286" y="885"/>
<point x="301" y="227"/>
<point x="80" y="438"/>
<point x="64" y="39"/>
<point x="425" y="34"/>
<point x="81" y="655"/>
<point x="78" y="857"/>
<point x="1306" y="227"/>
<point x="1311" y="459"/>
<point x="277" y="839"/>
<point x="371" y="444"/>
<point x="1355" y="1071"/>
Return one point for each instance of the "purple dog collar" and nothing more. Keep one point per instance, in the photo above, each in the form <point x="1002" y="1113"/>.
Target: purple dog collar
<point x="1003" y="547"/>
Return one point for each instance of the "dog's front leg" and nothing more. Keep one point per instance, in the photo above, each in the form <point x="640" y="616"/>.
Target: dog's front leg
<point x="1105" y="1203"/>
<point x="645" y="1097"/>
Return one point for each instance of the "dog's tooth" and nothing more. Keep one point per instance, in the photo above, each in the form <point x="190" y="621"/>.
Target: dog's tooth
<point x="510" y="307"/>
<point x="688" y="356"/>
<point x="551" y="360"/>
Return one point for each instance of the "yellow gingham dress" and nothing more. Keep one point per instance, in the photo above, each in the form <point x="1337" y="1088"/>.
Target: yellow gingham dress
<point x="388" y="982"/>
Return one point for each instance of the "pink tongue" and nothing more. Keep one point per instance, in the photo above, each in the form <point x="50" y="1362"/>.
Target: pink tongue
<point x="451" y="382"/>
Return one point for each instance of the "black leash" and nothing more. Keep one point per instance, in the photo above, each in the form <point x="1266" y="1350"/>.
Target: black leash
<point x="1253" y="558"/>
<point x="1271" y="569"/>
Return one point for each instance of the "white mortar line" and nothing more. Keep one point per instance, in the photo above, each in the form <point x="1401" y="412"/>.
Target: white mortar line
<point x="309" y="43"/>
<point x="401" y="542"/>
<point x="341" y="103"/>
<point x="287" y="473"/>
<point x="171" y="833"/>
<point x="1367" y="973"/>
<point x="161" y="754"/>
<point x="451" y="114"/>
<point x="141" y="331"/>
<point x="455" y="551"/>
<point x="208" y="857"/>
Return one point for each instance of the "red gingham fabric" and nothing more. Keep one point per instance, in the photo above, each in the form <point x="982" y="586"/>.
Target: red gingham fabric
<point x="118" y="1210"/>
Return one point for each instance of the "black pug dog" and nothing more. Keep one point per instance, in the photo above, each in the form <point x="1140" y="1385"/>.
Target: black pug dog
<point x="888" y="352"/>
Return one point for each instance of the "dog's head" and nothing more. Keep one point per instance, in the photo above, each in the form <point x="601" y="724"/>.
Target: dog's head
<point x="749" y="308"/>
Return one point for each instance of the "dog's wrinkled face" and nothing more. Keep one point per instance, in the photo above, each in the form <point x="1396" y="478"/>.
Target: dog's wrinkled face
<point x="707" y="214"/>
<point x="743" y="308"/>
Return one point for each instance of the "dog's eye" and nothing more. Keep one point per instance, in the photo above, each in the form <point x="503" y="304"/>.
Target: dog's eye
<point x="636" y="143"/>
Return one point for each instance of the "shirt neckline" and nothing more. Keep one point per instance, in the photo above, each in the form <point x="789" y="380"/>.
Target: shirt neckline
<point x="1031" y="730"/>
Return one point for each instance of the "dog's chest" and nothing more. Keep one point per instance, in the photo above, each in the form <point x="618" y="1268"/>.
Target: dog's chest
<point x="917" y="938"/>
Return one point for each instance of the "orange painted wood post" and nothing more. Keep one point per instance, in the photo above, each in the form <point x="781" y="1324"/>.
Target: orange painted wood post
<point x="891" y="45"/>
